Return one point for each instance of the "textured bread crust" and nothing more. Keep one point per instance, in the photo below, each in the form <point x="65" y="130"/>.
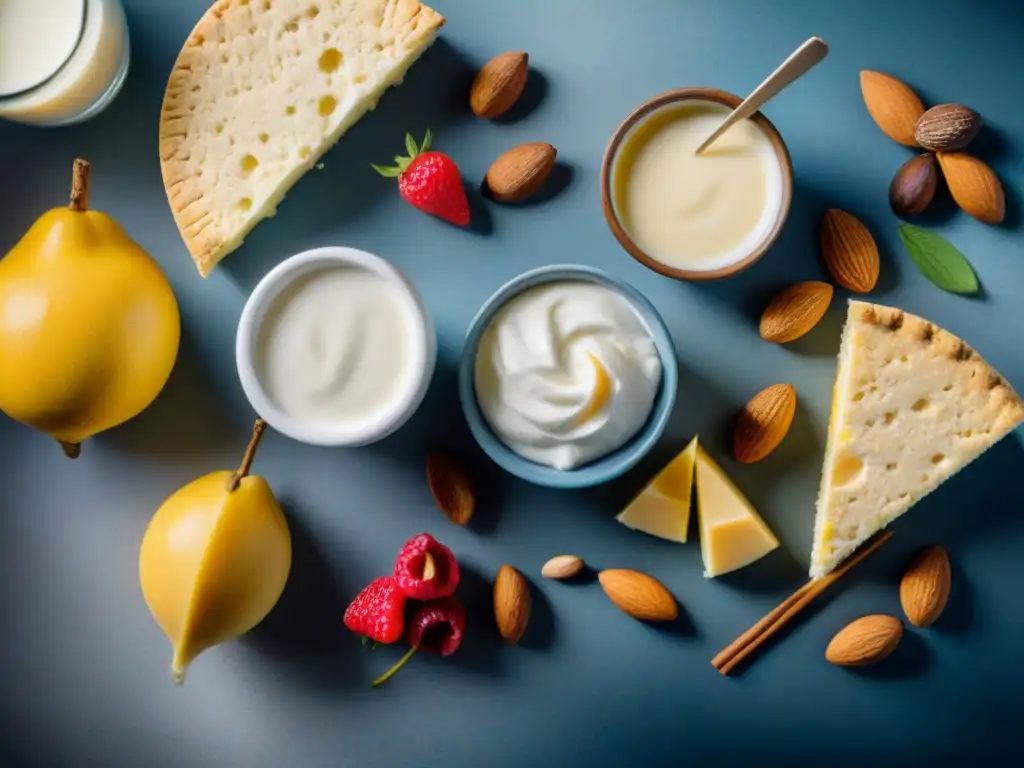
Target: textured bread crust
<point x="251" y="104"/>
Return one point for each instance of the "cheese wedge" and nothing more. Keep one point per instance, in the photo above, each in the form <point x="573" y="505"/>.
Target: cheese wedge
<point x="662" y="509"/>
<point x="262" y="89"/>
<point x="912" y="405"/>
<point x="732" y="534"/>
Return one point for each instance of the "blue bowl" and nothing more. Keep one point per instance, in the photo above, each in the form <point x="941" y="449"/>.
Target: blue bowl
<point x="611" y="465"/>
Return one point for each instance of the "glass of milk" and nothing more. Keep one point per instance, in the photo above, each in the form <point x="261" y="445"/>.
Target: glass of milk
<point x="61" y="61"/>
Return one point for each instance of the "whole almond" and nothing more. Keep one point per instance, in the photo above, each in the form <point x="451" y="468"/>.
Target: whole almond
<point x="924" y="588"/>
<point x="914" y="185"/>
<point x="451" y="487"/>
<point x="764" y="422"/>
<point x="511" y="603"/>
<point x="519" y="172"/>
<point x="892" y="104"/>
<point x="947" y="128"/>
<point x="641" y="596"/>
<point x="794" y="311"/>
<point x="562" y="567"/>
<point x="849" y="251"/>
<point x="499" y="84"/>
<point x="865" y="641"/>
<point x="974" y="186"/>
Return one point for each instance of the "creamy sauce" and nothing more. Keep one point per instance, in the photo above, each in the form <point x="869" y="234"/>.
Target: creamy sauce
<point x="61" y="61"/>
<point x="566" y="373"/>
<point x="697" y="212"/>
<point x="336" y="348"/>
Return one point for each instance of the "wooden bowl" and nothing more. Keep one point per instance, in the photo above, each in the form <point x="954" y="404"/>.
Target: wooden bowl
<point x="641" y="113"/>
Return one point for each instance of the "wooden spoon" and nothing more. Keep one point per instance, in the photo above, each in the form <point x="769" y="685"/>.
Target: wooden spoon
<point x="799" y="63"/>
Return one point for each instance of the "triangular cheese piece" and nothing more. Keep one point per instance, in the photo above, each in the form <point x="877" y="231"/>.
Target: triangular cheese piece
<point x="262" y="89"/>
<point x="732" y="534"/>
<point x="912" y="406"/>
<point x="662" y="509"/>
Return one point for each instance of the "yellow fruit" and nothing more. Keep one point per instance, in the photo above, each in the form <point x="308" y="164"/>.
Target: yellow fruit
<point x="89" y="326"/>
<point x="215" y="559"/>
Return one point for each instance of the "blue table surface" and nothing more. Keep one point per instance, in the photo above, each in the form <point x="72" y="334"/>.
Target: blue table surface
<point x="85" y="669"/>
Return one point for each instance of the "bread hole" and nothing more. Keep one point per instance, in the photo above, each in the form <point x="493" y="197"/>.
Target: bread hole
<point x="248" y="87"/>
<point x="289" y="110"/>
<point x="359" y="79"/>
<point x="377" y="47"/>
<point x="869" y="423"/>
<point x="330" y="60"/>
<point x="890" y="417"/>
<point x="252" y="31"/>
<point x="231" y="141"/>
<point x="266" y="5"/>
<point x="218" y="128"/>
<point x="947" y="388"/>
<point x="249" y="164"/>
<point x="233" y="92"/>
<point x="243" y="2"/>
<point x="921" y="404"/>
<point x="325" y="36"/>
<point x="304" y="152"/>
<point x="196" y="87"/>
<point x="846" y="469"/>
<point x="244" y="204"/>
<point x="852" y="500"/>
<point x="326" y="105"/>
<point x="858" y="397"/>
<point x="903" y="358"/>
<point x="890" y="467"/>
<point x="292" y="26"/>
<point x="938" y="458"/>
<point x="924" y="477"/>
<point x="264" y="138"/>
<point x="223" y="58"/>
<point x="966" y="433"/>
<point x="313" y="11"/>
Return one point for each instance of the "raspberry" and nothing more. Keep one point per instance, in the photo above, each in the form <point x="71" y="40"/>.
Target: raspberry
<point x="436" y="627"/>
<point x="378" y="611"/>
<point x="426" y="569"/>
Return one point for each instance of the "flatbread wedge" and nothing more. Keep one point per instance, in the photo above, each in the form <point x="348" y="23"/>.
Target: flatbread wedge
<point x="262" y="89"/>
<point x="912" y="406"/>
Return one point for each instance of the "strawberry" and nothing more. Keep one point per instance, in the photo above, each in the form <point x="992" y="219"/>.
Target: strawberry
<point x="430" y="181"/>
<point x="378" y="611"/>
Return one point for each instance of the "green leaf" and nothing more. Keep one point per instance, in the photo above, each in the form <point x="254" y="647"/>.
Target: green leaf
<point x="939" y="260"/>
<point x="387" y="171"/>
<point x="427" y="138"/>
<point x="410" y="145"/>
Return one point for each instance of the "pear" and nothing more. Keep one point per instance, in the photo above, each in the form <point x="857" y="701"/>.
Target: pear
<point x="215" y="559"/>
<point x="89" y="326"/>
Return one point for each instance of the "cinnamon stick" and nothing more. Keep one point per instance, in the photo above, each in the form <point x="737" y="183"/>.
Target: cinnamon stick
<point x="79" y="186"/>
<point x="250" y="453"/>
<point x="746" y="644"/>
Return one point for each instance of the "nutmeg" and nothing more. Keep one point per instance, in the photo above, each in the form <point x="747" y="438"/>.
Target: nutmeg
<point x="914" y="185"/>
<point x="947" y="128"/>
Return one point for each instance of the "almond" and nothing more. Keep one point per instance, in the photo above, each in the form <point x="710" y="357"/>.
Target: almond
<point x="763" y="422"/>
<point x="924" y="588"/>
<point x="947" y="128"/>
<point x="865" y="641"/>
<point x="914" y="185"/>
<point x="892" y="104"/>
<point x="451" y="487"/>
<point x="974" y="186"/>
<point x="499" y="84"/>
<point x="562" y="567"/>
<point x="794" y="311"/>
<point x="849" y="251"/>
<point x="511" y="603"/>
<point x="641" y="596"/>
<point x="521" y="171"/>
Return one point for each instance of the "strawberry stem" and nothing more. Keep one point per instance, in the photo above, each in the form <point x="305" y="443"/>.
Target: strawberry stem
<point x="397" y="666"/>
<point x="401" y="163"/>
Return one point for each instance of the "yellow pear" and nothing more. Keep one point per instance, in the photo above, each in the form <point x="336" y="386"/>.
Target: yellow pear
<point x="89" y="326"/>
<point x="214" y="559"/>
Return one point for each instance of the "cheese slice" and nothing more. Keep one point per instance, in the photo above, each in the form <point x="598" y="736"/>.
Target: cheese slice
<point x="662" y="509"/>
<point x="912" y="405"/>
<point x="732" y="534"/>
<point x="262" y="89"/>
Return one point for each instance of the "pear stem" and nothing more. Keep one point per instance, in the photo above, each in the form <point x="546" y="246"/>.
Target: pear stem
<point x="398" y="665"/>
<point x="80" y="186"/>
<point x="250" y="453"/>
<point x="71" y="450"/>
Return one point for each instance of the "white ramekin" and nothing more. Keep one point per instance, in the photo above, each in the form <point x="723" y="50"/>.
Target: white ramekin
<point x="424" y="351"/>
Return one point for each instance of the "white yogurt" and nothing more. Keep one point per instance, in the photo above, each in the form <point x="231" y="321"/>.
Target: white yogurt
<point x="338" y="348"/>
<point x="61" y="61"/>
<point x="566" y="372"/>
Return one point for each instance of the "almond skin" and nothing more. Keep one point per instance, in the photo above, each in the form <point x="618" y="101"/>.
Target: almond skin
<point x="924" y="588"/>
<point x="947" y="128"/>
<point x="512" y="603"/>
<point x="638" y="595"/>
<point x="974" y="186"/>
<point x="892" y="104"/>
<point x="865" y="641"/>
<point x="849" y="251"/>
<point x="914" y="185"/>
<point x="764" y="422"/>
<point x="499" y="84"/>
<point x="451" y="487"/>
<point x="521" y="171"/>
<point x="562" y="567"/>
<point x="794" y="311"/>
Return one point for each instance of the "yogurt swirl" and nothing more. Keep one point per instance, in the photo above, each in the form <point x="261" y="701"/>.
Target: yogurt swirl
<point x="566" y="373"/>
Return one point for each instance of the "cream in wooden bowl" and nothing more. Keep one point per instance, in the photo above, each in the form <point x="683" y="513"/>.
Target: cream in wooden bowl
<point x="690" y="216"/>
